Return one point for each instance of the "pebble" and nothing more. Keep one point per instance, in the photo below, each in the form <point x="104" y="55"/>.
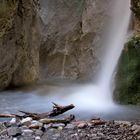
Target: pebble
<point x="3" y="132"/>
<point x="2" y="127"/>
<point x="14" y="139"/>
<point x="27" y="132"/>
<point x="82" y="125"/>
<point x="135" y="127"/>
<point x="36" y="124"/>
<point x="58" y="125"/>
<point x="113" y="131"/>
<point x="136" y="131"/>
<point x="37" y="138"/>
<point x="123" y="122"/>
<point x="23" y="127"/>
<point x="26" y="120"/>
<point x="70" y="126"/>
<point x="60" y="128"/>
<point x="100" y="134"/>
<point x="47" y="126"/>
<point x="13" y="121"/>
<point x="38" y="133"/>
<point x="13" y="131"/>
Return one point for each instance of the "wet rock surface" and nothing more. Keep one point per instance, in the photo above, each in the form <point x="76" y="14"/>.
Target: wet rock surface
<point x="84" y="130"/>
<point x="71" y="35"/>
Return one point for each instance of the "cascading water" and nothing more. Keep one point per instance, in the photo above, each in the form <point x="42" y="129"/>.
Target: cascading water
<point x="99" y="95"/>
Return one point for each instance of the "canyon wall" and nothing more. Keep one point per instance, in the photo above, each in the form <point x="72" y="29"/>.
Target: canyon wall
<point x="136" y="13"/>
<point x="71" y="37"/>
<point x="19" y="43"/>
<point x="59" y="41"/>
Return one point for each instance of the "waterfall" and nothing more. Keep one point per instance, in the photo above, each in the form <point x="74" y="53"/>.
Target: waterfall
<point x="99" y="95"/>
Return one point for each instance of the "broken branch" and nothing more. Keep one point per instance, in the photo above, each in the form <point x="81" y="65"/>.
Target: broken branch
<point x="57" y="110"/>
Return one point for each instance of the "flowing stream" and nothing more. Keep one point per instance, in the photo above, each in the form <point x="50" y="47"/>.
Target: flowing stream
<point x="90" y="99"/>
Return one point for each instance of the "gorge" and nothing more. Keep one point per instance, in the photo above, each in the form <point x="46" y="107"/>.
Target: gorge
<point x="63" y="41"/>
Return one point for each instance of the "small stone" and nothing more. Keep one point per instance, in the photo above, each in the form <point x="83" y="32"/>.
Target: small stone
<point x="94" y="135"/>
<point x="79" y="131"/>
<point x="38" y="133"/>
<point x="23" y="127"/>
<point x="2" y="127"/>
<point x="136" y="131"/>
<point x="138" y="137"/>
<point x="123" y="122"/>
<point x="36" y="124"/>
<point x="26" y="120"/>
<point x="46" y="126"/>
<point x="100" y="134"/>
<point x="58" y="125"/>
<point x="134" y="127"/>
<point x="27" y="132"/>
<point x="51" y="130"/>
<point x="15" y="139"/>
<point x="3" y="132"/>
<point x="13" y="131"/>
<point x="60" y="128"/>
<point x="56" y="136"/>
<point x="82" y="125"/>
<point x="70" y="126"/>
<point x="37" y="138"/>
<point x="7" y="124"/>
<point x="13" y="121"/>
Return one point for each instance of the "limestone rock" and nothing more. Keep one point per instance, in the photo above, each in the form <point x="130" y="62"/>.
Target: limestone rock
<point x="26" y="120"/>
<point x="136" y="13"/>
<point x="19" y="46"/>
<point x="27" y="132"/>
<point x="13" y="121"/>
<point x="38" y="132"/>
<point x="136" y="129"/>
<point x="12" y="131"/>
<point x="82" y="125"/>
<point x="35" y="124"/>
<point x="71" y="34"/>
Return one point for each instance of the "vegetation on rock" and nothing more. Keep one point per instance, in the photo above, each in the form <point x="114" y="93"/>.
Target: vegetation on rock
<point x="129" y="73"/>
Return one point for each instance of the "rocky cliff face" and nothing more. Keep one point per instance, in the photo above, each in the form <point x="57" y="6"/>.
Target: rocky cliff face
<point x="136" y="12"/>
<point x="19" y="43"/>
<point x="71" y="35"/>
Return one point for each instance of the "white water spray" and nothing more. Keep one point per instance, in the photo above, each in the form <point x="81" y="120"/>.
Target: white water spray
<point x="99" y="95"/>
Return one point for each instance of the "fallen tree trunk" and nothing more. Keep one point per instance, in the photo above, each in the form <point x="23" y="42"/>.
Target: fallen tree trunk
<point x="65" y="121"/>
<point x="57" y="110"/>
<point x="7" y="116"/>
<point x="11" y="116"/>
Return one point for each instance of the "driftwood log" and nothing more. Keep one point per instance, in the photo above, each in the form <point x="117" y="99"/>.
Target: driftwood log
<point x="65" y="120"/>
<point x="57" y="110"/>
<point x="45" y="117"/>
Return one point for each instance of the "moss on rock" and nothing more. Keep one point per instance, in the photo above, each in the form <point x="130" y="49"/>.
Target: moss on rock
<point x="128" y="86"/>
